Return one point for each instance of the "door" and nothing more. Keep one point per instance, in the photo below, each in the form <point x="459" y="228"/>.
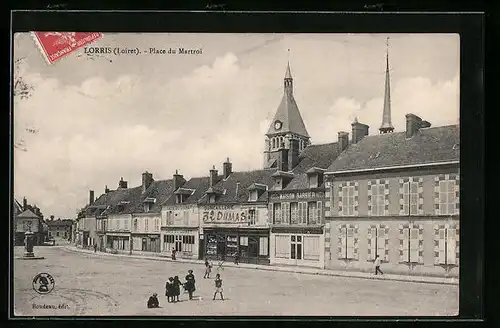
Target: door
<point x="253" y="249"/>
<point x="296" y="249"/>
<point x="221" y="247"/>
<point x="144" y="244"/>
<point x="178" y="243"/>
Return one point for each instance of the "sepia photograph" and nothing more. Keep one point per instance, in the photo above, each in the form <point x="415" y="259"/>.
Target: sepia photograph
<point x="235" y="174"/>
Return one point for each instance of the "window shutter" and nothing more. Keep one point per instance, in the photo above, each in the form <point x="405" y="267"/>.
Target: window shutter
<point x="343" y="242"/>
<point x="256" y="213"/>
<point x="406" y="238"/>
<point x="299" y="212"/>
<point x="319" y="216"/>
<point x="386" y="250"/>
<point x="451" y="246"/>
<point x="350" y="243"/>
<point x="304" y="212"/>
<point x="442" y="246"/>
<point x="381" y="243"/>
<point x="270" y="213"/>
<point x="414" y="245"/>
<point x="372" y="235"/>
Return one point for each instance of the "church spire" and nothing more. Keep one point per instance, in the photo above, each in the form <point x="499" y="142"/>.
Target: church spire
<point x="386" y="117"/>
<point x="288" y="82"/>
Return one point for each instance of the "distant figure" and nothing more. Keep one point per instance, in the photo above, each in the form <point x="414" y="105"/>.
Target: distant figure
<point x="208" y="269"/>
<point x="153" y="301"/>
<point x="237" y="258"/>
<point x="190" y="284"/>
<point x="218" y="286"/>
<point x="176" y="289"/>
<point x="95" y="248"/>
<point x="169" y="287"/>
<point x="173" y="254"/>
<point x="377" y="265"/>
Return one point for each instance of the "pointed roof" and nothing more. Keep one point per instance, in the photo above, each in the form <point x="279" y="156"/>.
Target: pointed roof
<point x="27" y="214"/>
<point x="288" y="113"/>
<point x="386" y="116"/>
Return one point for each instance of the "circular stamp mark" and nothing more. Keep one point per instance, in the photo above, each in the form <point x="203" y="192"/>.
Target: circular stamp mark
<point x="43" y="283"/>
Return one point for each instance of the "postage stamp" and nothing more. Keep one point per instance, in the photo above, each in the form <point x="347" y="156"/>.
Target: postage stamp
<point x="55" y="45"/>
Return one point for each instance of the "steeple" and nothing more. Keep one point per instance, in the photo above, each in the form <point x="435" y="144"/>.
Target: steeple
<point x="386" y="117"/>
<point x="288" y="82"/>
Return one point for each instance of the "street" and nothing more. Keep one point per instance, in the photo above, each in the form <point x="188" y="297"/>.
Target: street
<point x="88" y="284"/>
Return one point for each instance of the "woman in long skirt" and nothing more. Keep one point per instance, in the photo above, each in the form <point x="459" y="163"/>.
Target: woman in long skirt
<point x="169" y="286"/>
<point x="176" y="288"/>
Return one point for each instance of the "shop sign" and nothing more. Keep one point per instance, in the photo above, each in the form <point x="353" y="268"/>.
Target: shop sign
<point x="224" y="216"/>
<point x="299" y="195"/>
<point x="180" y="232"/>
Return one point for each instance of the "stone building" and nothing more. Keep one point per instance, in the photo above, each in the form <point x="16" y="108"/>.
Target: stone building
<point x="28" y="218"/>
<point x="233" y="215"/>
<point x="59" y="229"/>
<point x="395" y="195"/>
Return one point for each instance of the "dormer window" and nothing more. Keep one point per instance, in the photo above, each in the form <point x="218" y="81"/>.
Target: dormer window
<point x="315" y="177"/>
<point x="147" y="207"/>
<point x="255" y="191"/>
<point x="178" y="199"/>
<point x="253" y="196"/>
<point x="211" y="199"/>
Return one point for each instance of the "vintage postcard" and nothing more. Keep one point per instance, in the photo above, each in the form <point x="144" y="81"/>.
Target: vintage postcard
<point x="184" y="174"/>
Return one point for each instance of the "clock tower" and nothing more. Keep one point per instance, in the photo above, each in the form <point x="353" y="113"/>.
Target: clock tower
<point x="287" y="132"/>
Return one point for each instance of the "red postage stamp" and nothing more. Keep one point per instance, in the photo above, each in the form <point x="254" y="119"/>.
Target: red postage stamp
<point x="55" y="45"/>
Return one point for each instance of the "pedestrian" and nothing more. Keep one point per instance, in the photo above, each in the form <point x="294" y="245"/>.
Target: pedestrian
<point x="153" y="301"/>
<point x="168" y="289"/>
<point x="190" y="284"/>
<point x="208" y="269"/>
<point x="218" y="286"/>
<point x="237" y="258"/>
<point x="95" y="248"/>
<point x="377" y="265"/>
<point x="173" y="254"/>
<point x="177" y="288"/>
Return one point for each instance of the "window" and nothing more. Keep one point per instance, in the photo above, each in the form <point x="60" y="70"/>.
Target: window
<point x="186" y="217"/>
<point x="410" y="198"/>
<point x="252" y="217"/>
<point x="302" y="212"/>
<point x="314" y="212"/>
<point x="447" y="246"/>
<point x="65" y="234"/>
<point x="187" y="243"/>
<point x="117" y="224"/>
<point x="135" y="224"/>
<point x="285" y="215"/>
<point x="377" y="243"/>
<point x="311" y="248"/>
<point x="146" y="224"/>
<point x="170" y="218"/>
<point x="146" y="208"/>
<point x="277" y="213"/>
<point x="274" y="143"/>
<point x="263" y="246"/>
<point x="282" y="247"/>
<point x="253" y="196"/>
<point x="313" y="181"/>
<point x="212" y="199"/>
<point x="243" y="241"/>
<point x="378" y="199"/>
<point x="296" y="247"/>
<point x="447" y="197"/>
<point x="157" y="224"/>
<point x="125" y="224"/>
<point x="57" y="233"/>
<point x="347" y="243"/>
<point x="410" y="245"/>
<point x="348" y="200"/>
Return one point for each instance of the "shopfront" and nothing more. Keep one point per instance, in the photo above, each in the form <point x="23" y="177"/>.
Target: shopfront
<point x="118" y="242"/>
<point x="146" y="243"/>
<point x="185" y="241"/>
<point x="297" y="246"/>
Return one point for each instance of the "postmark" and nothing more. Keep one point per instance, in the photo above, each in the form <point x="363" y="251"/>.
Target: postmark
<point x="55" y="45"/>
<point x="43" y="283"/>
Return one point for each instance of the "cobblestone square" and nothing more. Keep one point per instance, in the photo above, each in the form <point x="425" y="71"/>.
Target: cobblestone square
<point x="102" y="285"/>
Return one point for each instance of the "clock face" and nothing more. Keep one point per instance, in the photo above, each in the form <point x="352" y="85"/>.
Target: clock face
<point x="277" y="125"/>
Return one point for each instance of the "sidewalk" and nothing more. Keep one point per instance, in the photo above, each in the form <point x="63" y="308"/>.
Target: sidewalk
<point x="291" y="269"/>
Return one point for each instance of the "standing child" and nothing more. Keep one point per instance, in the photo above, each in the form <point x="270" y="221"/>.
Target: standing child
<point x="173" y="254"/>
<point x="377" y="265"/>
<point x="218" y="286"/>
<point x="208" y="269"/>
<point x="177" y="288"/>
<point x="168" y="289"/>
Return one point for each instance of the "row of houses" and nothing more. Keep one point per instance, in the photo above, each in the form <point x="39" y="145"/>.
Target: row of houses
<point x="333" y="206"/>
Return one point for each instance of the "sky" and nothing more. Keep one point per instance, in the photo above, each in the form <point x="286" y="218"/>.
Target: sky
<point x="100" y="118"/>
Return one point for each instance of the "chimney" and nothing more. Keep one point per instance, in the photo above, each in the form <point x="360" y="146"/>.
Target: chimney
<point x="413" y="124"/>
<point x="25" y="204"/>
<point x="343" y="140"/>
<point x="213" y="176"/>
<point x="147" y="179"/>
<point x="91" y="197"/>
<point x="293" y="154"/>
<point x="178" y="180"/>
<point x="227" y="168"/>
<point x="122" y="184"/>
<point x="106" y="189"/>
<point x="283" y="160"/>
<point x="359" y="131"/>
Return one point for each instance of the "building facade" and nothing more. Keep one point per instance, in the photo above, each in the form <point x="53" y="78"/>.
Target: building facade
<point x="60" y="230"/>
<point x="396" y="196"/>
<point x="28" y="218"/>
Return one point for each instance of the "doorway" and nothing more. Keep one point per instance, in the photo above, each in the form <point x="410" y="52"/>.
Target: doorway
<point x="296" y="248"/>
<point x="178" y="243"/>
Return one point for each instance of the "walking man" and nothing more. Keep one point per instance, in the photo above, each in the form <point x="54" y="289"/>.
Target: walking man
<point x="377" y="265"/>
<point x="190" y="284"/>
<point x="95" y="248"/>
<point x="218" y="286"/>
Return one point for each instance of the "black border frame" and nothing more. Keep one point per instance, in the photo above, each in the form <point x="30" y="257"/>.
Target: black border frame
<point x="472" y="34"/>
